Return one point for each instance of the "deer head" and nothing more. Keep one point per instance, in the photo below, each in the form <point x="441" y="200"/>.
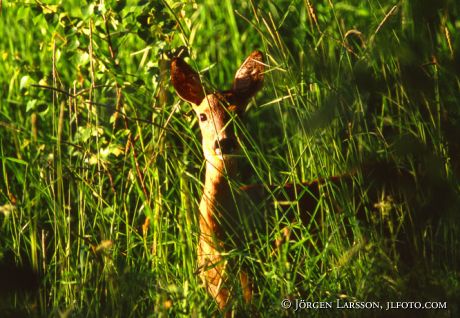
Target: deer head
<point x="216" y="111"/>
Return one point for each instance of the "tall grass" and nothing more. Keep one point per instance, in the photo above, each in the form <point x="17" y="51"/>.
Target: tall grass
<point x="102" y="166"/>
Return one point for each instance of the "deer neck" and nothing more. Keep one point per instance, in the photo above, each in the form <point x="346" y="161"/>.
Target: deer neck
<point x="217" y="200"/>
<point x="218" y="173"/>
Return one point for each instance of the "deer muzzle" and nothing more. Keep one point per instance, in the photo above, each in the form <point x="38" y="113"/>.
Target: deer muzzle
<point x="225" y="146"/>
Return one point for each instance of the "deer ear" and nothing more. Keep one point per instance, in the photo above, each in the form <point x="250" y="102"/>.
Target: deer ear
<point x="186" y="81"/>
<point x="250" y="76"/>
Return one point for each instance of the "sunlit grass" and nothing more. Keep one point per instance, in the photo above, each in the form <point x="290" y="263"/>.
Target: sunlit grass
<point x="101" y="164"/>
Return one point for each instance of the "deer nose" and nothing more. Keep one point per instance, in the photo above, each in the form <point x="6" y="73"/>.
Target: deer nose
<point x="225" y="146"/>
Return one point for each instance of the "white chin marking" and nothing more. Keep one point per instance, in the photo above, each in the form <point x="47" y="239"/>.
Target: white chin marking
<point x="216" y="155"/>
<point x="219" y="154"/>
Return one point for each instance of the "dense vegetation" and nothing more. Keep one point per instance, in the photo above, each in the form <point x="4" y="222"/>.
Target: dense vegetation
<point x="101" y="165"/>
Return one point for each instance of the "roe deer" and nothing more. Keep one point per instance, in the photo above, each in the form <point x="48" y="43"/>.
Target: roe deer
<point x="220" y="219"/>
<point x="215" y="112"/>
<point x="223" y="218"/>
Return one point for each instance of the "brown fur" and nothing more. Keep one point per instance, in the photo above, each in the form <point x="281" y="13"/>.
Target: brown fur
<point x="221" y="209"/>
<point x="217" y="207"/>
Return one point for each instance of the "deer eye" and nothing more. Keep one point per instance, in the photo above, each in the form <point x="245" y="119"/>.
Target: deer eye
<point x="203" y="117"/>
